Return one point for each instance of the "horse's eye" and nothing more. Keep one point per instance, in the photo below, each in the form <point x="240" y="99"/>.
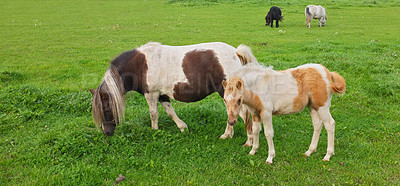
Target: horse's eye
<point x="224" y="100"/>
<point x="239" y="101"/>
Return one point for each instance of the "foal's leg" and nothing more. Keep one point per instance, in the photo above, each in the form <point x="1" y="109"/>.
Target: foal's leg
<point x="228" y="132"/>
<point x="171" y="113"/>
<point x="152" y="100"/>
<point x="329" y="124"/>
<point x="245" y="115"/>
<point x="277" y="23"/>
<point x="317" y="123"/>
<point x="255" y="133"/>
<point x="269" y="134"/>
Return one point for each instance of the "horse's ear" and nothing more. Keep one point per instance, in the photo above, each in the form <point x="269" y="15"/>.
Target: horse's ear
<point x="239" y="85"/>
<point x="92" y="91"/>
<point x="224" y="83"/>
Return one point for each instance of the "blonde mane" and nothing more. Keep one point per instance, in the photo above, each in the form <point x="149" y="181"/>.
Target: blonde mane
<point x="113" y="87"/>
<point x="254" y="68"/>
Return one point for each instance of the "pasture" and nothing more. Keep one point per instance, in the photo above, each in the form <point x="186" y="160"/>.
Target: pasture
<point x="53" y="52"/>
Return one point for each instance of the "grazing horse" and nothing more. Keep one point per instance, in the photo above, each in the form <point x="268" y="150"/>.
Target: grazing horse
<point x="315" y="12"/>
<point x="160" y="73"/>
<point x="266" y="92"/>
<point x="273" y="14"/>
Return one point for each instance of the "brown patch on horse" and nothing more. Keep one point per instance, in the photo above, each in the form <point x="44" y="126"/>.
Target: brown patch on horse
<point x="254" y="102"/>
<point x="204" y="74"/>
<point x="132" y="67"/>
<point x="311" y="89"/>
<point x="248" y="123"/>
<point x="256" y="118"/>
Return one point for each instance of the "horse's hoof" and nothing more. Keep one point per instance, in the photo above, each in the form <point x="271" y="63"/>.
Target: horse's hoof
<point x="268" y="163"/>
<point x="325" y="160"/>
<point x="246" y="145"/>
<point x="223" y="136"/>
<point x="184" y="128"/>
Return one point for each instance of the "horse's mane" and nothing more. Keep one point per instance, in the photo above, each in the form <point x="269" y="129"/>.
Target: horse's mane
<point x="254" y="68"/>
<point x="151" y="44"/>
<point x="113" y="87"/>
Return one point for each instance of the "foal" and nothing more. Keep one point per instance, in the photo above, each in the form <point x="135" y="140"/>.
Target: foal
<point x="273" y="14"/>
<point x="315" y="12"/>
<point x="266" y="92"/>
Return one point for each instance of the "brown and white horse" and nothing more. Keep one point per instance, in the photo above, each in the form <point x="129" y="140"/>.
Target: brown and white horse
<point x="266" y="92"/>
<point x="160" y="73"/>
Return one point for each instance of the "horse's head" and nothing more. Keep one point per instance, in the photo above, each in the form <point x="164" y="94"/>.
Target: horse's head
<point x="233" y="98"/>
<point x="323" y="20"/>
<point x="267" y="20"/>
<point x="102" y="112"/>
<point x="108" y="103"/>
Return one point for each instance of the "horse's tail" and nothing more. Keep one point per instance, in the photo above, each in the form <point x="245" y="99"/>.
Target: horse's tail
<point x="338" y="84"/>
<point x="308" y="13"/>
<point x="245" y="55"/>
<point x="280" y="18"/>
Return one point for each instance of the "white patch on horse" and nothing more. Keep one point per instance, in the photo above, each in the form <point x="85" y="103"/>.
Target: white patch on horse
<point x="229" y="97"/>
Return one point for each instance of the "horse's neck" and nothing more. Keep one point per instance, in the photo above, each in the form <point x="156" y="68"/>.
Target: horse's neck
<point x="252" y="100"/>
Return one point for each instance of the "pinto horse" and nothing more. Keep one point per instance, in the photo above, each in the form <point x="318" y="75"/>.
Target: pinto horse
<point x="266" y="92"/>
<point x="160" y="73"/>
<point x="315" y="12"/>
<point x="273" y="14"/>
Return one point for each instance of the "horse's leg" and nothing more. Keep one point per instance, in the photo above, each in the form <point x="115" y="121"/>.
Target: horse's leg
<point x="329" y="124"/>
<point x="228" y="132"/>
<point x="245" y="115"/>
<point x="171" y="113"/>
<point x="269" y="134"/>
<point x="317" y="123"/>
<point x="255" y="133"/>
<point x="277" y="23"/>
<point x="319" y="23"/>
<point x="272" y="22"/>
<point x="152" y="100"/>
<point x="308" y="21"/>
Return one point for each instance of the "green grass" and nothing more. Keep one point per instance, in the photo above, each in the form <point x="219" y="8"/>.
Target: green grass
<point x="52" y="52"/>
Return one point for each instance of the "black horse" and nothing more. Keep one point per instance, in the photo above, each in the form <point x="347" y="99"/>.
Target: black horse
<point x="273" y="14"/>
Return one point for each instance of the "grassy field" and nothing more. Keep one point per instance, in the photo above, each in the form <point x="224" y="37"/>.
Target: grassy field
<point x="52" y="52"/>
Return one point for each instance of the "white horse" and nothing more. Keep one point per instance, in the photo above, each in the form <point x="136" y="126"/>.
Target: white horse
<point x="161" y="72"/>
<point x="266" y="92"/>
<point x="315" y="12"/>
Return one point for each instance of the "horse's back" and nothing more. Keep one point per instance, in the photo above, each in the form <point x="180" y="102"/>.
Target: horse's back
<point x="182" y="72"/>
<point x="315" y="11"/>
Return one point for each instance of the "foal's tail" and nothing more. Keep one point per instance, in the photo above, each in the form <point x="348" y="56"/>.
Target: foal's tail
<point x="245" y="55"/>
<point x="338" y="85"/>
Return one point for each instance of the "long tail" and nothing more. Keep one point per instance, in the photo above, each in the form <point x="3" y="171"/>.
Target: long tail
<point x="338" y="84"/>
<point x="308" y="12"/>
<point x="245" y="55"/>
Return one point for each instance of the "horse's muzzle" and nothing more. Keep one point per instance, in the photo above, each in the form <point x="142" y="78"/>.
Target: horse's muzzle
<point x="232" y="123"/>
<point x="109" y="133"/>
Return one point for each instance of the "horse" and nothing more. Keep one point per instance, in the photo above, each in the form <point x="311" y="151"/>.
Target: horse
<point x="315" y="12"/>
<point x="267" y="92"/>
<point x="273" y="14"/>
<point x="160" y="73"/>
